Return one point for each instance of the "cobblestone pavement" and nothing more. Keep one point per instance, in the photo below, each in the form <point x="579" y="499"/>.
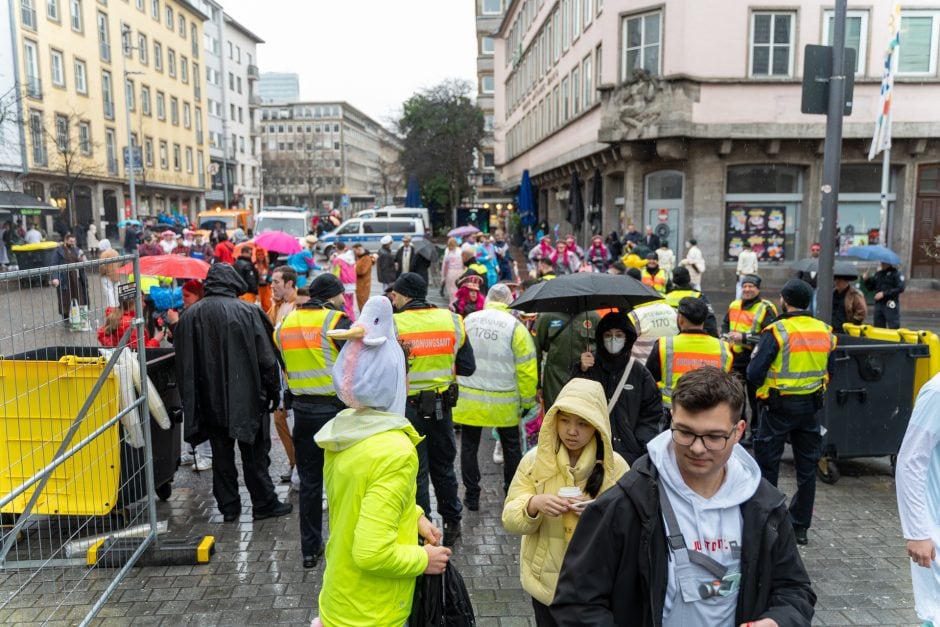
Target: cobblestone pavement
<point x="856" y="558"/>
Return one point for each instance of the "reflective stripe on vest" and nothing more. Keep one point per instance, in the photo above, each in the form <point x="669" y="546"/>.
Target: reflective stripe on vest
<point x="746" y="321"/>
<point x="686" y="352"/>
<point x="433" y="337"/>
<point x="800" y="366"/>
<point x="657" y="282"/>
<point x="675" y="296"/>
<point x="308" y="352"/>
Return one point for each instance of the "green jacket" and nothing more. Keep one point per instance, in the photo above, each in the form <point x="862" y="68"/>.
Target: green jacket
<point x="559" y="343"/>
<point x="372" y="557"/>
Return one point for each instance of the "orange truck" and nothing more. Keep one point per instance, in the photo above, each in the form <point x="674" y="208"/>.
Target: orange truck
<point x="231" y="218"/>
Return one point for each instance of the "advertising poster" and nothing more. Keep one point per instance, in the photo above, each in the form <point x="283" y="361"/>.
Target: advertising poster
<point x="762" y="226"/>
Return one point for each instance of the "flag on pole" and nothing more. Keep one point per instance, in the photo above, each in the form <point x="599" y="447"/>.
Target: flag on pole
<point x="882" y="137"/>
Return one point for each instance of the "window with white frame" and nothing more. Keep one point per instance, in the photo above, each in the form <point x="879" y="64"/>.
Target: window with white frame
<point x="62" y="142"/>
<point x="104" y="41"/>
<point x="184" y="69"/>
<point x="130" y="94"/>
<point x="81" y="77"/>
<point x="37" y="136"/>
<point x="641" y="44"/>
<point x="575" y="18"/>
<point x="158" y="56"/>
<point x="84" y="137"/>
<point x="587" y="76"/>
<point x="148" y="152"/>
<point x="856" y="35"/>
<point x="143" y="49"/>
<point x="168" y="13"/>
<point x="487" y="46"/>
<point x="919" y="34"/>
<point x="171" y="62"/>
<point x="107" y="95"/>
<point x="28" y="14"/>
<point x="52" y="10"/>
<point x="492" y="7"/>
<point x="110" y="144"/>
<point x="575" y="91"/>
<point x="588" y="12"/>
<point x="155" y="9"/>
<point x="565" y="111"/>
<point x="75" y="11"/>
<point x="161" y="105"/>
<point x="145" y="100"/>
<point x="164" y="151"/>
<point x="140" y="5"/>
<point x="487" y="84"/>
<point x="181" y="25"/>
<point x="176" y="157"/>
<point x="565" y="24"/>
<point x="189" y="160"/>
<point x="187" y="115"/>
<point x="772" y="43"/>
<point x="57" y="64"/>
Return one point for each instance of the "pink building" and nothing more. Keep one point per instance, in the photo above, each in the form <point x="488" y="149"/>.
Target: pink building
<point x="690" y="113"/>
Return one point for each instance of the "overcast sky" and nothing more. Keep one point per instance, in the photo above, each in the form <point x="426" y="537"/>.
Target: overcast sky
<point x="373" y="54"/>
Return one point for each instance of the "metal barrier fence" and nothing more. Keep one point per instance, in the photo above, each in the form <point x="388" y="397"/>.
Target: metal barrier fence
<point x="76" y="467"/>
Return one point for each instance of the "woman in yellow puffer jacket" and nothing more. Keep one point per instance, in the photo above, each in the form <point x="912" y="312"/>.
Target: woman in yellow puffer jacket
<point x="574" y="450"/>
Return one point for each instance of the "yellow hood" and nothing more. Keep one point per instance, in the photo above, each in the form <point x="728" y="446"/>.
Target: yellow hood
<point x="583" y="398"/>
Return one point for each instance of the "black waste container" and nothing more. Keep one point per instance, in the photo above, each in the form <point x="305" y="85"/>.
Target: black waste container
<point x="31" y="256"/>
<point x="161" y="369"/>
<point x="869" y="400"/>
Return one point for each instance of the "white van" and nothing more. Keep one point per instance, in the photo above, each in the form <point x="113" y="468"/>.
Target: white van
<point x="370" y="231"/>
<point x="295" y="221"/>
<point x="392" y="211"/>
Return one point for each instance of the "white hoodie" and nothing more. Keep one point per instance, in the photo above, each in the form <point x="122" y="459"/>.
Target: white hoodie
<point x="709" y="525"/>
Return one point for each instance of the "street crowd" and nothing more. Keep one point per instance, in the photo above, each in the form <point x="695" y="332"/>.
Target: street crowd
<point x="639" y="468"/>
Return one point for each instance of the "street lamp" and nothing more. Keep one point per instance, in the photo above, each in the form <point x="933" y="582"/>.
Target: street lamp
<point x="131" y="152"/>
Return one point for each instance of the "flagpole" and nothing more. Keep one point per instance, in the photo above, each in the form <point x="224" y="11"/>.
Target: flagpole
<point x="882" y="136"/>
<point x="886" y="165"/>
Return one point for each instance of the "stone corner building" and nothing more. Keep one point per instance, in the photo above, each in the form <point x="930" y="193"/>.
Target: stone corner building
<point x="690" y="112"/>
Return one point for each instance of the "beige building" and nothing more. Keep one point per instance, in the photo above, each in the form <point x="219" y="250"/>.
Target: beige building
<point x="486" y="188"/>
<point x="690" y="113"/>
<point x="72" y="62"/>
<point x="326" y="155"/>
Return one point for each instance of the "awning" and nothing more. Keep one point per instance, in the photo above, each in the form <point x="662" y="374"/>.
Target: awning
<point x="23" y="204"/>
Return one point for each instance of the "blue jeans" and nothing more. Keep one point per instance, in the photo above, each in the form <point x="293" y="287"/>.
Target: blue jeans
<point x="436" y="456"/>
<point x="308" y="419"/>
<point x="795" y="417"/>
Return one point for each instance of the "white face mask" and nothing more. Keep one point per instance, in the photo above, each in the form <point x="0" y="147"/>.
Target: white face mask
<point x="614" y="344"/>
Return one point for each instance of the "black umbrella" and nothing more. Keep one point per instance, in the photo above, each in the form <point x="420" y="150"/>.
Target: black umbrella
<point x="425" y="248"/>
<point x="586" y="291"/>
<point x="597" y="199"/>
<point x="840" y="268"/>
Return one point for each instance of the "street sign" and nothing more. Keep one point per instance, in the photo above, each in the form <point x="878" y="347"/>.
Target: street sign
<point x="817" y="69"/>
<point x="138" y="159"/>
<point x="344" y="201"/>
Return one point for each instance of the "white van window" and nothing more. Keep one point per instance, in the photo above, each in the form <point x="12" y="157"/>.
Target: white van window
<point x="350" y="228"/>
<point x="292" y="226"/>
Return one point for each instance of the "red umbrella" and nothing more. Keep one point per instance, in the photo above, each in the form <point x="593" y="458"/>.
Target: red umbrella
<point x="278" y="242"/>
<point x="173" y="266"/>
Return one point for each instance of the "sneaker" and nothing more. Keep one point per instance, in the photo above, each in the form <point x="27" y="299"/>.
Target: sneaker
<point x="231" y="516"/>
<point x="451" y="532"/>
<point x="281" y="509"/>
<point x="286" y="478"/>
<point x="311" y="561"/>
<point x="187" y="459"/>
<point x="498" y="453"/>
<point x="800" y="533"/>
<point x="202" y="464"/>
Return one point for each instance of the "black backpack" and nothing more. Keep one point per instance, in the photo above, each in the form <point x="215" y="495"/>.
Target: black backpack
<point x="441" y="601"/>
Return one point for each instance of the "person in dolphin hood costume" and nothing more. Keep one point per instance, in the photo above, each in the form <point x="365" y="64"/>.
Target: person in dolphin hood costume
<point x="370" y="471"/>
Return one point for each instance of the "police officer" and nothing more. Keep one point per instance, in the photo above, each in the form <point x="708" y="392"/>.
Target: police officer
<point x="746" y="318"/>
<point x="791" y="366"/>
<point x="652" y="275"/>
<point x="693" y="348"/>
<point x="308" y="360"/>
<point x="502" y="387"/>
<point x="887" y="285"/>
<point x="438" y="351"/>
<point x="682" y="288"/>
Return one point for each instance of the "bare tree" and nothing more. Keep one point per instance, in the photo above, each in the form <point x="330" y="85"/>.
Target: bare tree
<point x="11" y="124"/>
<point x="391" y="175"/>
<point x="72" y="154"/>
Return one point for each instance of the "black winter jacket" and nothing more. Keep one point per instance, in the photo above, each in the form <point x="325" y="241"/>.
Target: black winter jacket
<point x="616" y="566"/>
<point x="889" y="281"/>
<point x="636" y="417"/>
<point x="226" y="361"/>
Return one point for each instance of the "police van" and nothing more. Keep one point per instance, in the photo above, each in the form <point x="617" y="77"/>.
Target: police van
<point x="370" y="231"/>
<point x="392" y="211"/>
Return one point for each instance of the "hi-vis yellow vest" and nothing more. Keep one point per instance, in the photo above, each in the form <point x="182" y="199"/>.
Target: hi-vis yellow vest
<point x="308" y="352"/>
<point x="800" y="367"/>
<point x="432" y="337"/>
<point x="657" y="281"/>
<point x="686" y="352"/>
<point x="748" y="320"/>
<point x="675" y="296"/>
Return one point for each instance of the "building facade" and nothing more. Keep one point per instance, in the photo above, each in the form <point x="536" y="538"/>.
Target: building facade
<point x="486" y="188"/>
<point x="279" y="87"/>
<point x="78" y="118"/>
<point x="689" y="113"/>
<point x="12" y="164"/>
<point x="326" y="155"/>
<point x="231" y="75"/>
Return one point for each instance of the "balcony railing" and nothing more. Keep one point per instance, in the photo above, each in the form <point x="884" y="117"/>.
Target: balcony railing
<point x="34" y="87"/>
<point x="253" y="74"/>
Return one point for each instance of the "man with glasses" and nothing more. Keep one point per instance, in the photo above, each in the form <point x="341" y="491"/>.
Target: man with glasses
<point x="692" y="535"/>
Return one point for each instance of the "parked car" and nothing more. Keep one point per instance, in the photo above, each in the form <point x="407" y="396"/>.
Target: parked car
<point x="370" y="231"/>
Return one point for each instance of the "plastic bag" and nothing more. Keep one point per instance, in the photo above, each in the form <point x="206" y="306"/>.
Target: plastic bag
<point x="75" y="316"/>
<point x="529" y="425"/>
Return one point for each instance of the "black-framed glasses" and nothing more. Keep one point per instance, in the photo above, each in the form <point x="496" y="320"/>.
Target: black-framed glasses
<point x="710" y="441"/>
